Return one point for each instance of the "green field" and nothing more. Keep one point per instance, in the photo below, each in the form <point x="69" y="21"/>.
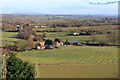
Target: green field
<point x="10" y="36"/>
<point x="82" y="38"/>
<point x="72" y="54"/>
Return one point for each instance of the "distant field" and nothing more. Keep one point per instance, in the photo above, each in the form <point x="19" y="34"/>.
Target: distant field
<point x="108" y="27"/>
<point x="54" y="20"/>
<point x="0" y="38"/>
<point x="82" y="38"/>
<point x="72" y="54"/>
<point x="10" y="36"/>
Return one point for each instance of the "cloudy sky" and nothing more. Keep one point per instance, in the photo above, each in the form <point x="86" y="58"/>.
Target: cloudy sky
<point x="77" y="7"/>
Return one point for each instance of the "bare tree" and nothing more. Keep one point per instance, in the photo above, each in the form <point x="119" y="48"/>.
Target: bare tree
<point x="113" y="37"/>
<point x="93" y="37"/>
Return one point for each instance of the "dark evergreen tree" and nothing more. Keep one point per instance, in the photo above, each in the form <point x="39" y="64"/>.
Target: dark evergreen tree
<point x="19" y="70"/>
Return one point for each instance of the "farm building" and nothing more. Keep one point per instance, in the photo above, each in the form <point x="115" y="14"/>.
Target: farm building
<point x="58" y="44"/>
<point x="40" y="45"/>
<point x="43" y="26"/>
<point x="37" y="26"/>
<point x="75" y="34"/>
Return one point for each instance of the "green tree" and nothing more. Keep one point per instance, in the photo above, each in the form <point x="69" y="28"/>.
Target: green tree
<point x="48" y="43"/>
<point x="19" y="70"/>
<point x="93" y="37"/>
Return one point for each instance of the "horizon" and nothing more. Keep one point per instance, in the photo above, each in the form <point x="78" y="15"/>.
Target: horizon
<point x="55" y="7"/>
<point x="61" y="14"/>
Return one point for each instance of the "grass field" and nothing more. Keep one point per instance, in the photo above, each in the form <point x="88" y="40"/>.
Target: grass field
<point x="72" y="54"/>
<point x="64" y="35"/>
<point x="10" y="36"/>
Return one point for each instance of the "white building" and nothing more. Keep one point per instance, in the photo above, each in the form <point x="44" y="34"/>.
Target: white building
<point x="75" y="34"/>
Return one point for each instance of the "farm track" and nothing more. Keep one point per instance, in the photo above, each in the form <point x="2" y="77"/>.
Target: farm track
<point x="73" y="64"/>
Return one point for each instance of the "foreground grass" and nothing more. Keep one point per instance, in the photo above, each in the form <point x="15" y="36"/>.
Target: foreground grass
<point x="79" y="71"/>
<point x="72" y="54"/>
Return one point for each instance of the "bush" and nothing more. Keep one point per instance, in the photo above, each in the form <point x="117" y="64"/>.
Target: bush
<point x="20" y="45"/>
<point x="19" y="70"/>
<point x="48" y="42"/>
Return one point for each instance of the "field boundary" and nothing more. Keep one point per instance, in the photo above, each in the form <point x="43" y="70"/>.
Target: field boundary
<point x="75" y="63"/>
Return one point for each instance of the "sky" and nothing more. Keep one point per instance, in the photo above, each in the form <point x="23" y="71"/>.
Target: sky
<point x="58" y="7"/>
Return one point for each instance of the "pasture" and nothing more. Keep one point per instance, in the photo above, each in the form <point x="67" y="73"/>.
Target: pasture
<point x="11" y="36"/>
<point x="72" y="54"/>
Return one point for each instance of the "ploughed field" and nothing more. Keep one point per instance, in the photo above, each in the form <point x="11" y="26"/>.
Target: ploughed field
<point x="72" y="55"/>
